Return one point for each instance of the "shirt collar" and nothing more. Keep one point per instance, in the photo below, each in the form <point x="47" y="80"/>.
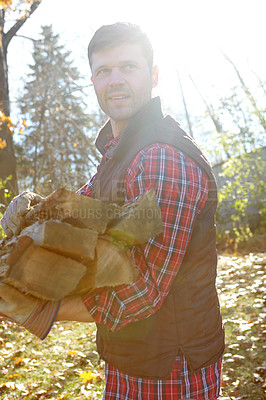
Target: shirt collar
<point x="148" y="111"/>
<point x="112" y="142"/>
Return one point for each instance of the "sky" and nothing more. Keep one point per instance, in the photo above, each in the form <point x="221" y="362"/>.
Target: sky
<point x="187" y="37"/>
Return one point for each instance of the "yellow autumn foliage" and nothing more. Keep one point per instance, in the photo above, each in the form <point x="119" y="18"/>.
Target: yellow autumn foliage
<point x="6" y="120"/>
<point x="2" y="144"/>
<point x="13" y="4"/>
<point x="5" y="4"/>
<point x="88" y="376"/>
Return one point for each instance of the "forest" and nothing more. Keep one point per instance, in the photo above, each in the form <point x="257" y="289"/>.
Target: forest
<point x="47" y="142"/>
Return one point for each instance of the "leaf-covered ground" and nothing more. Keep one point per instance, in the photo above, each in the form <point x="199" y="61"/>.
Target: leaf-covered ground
<point x="65" y="365"/>
<point x="241" y="285"/>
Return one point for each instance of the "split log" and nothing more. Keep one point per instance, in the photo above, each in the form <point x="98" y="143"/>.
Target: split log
<point x="64" y="239"/>
<point x="41" y="273"/>
<point x="81" y="211"/>
<point x="138" y="221"/>
<point x="112" y="267"/>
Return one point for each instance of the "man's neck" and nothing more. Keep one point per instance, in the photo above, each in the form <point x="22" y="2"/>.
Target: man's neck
<point x="118" y="127"/>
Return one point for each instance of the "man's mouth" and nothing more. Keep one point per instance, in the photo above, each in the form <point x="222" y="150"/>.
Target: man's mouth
<point x="118" y="98"/>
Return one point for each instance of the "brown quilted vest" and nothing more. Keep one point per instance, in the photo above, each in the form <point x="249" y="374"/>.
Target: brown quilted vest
<point x="189" y="320"/>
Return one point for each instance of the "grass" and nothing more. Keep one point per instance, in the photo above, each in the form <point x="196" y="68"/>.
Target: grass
<point x="65" y="365"/>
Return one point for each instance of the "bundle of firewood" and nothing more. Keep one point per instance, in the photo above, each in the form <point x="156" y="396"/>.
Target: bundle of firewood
<point x="71" y="244"/>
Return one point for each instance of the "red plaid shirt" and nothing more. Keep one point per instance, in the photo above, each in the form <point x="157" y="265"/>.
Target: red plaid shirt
<point x="182" y="190"/>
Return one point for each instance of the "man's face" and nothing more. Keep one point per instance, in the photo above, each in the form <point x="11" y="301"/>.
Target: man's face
<point x="122" y="82"/>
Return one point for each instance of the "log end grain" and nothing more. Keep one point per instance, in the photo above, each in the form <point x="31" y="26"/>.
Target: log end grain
<point x="42" y="273"/>
<point x="64" y="239"/>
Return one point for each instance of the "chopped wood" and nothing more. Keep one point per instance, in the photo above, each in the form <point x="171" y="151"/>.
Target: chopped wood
<point x="112" y="267"/>
<point x="138" y="221"/>
<point x="3" y="269"/>
<point x="63" y="238"/>
<point x="82" y="211"/>
<point x="42" y="273"/>
<point x="49" y="276"/>
<point x="74" y="243"/>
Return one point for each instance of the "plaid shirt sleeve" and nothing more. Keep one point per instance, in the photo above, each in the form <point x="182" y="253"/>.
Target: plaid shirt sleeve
<point x="182" y="190"/>
<point x="41" y="319"/>
<point x="86" y="190"/>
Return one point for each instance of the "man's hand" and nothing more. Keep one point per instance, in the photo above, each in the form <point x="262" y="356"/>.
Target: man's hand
<point x="13" y="219"/>
<point x="36" y="315"/>
<point x="73" y="309"/>
<point x="16" y="305"/>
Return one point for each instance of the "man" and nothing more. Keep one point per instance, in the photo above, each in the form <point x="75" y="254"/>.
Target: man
<point x="162" y="336"/>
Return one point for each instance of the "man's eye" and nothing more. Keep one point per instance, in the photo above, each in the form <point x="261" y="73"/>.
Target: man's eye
<point x="103" y="71"/>
<point x="130" y="67"/>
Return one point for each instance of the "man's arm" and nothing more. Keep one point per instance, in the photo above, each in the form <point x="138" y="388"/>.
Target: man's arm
<point x="36" y="315"/>
<point x="72" y="308"/>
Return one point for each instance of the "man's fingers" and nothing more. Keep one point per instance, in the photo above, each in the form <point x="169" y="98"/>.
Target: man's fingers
<point x="6" y="229"/>
<point x="34" y="211"/>
<point x="14" y="217"/>
<point x="23" y="206"/>
<point x="10" y="228"/>
<point x="14" y="224"/>
<point x="8" y="232"/>
<point x="36" y="199"/>
<point x="26" y="202"/>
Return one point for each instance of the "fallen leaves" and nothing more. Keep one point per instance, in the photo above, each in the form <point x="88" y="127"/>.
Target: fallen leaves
<point x="51" y="369"/>
<point x="241" y="287"/>
<point x="12" y="376"/>
<point x="65" y="365"/>
<point x="8" y="385"/>
<point x="88" y="377"/>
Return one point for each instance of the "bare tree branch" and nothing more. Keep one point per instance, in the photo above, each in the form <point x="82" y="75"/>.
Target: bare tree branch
<point x="185" y="107"/>
<point x="209" y="107"/>
<point x="27" y="37"/>
<point x="262" y="85"/>
<point x="12" y="31"/>
<point x="249" y="95"/>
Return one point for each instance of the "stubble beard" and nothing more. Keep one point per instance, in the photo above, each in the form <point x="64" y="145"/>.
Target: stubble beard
<point x="127" y="110"/>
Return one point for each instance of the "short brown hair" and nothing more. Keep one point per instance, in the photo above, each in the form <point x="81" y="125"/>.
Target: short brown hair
<point x="119" y="33"/>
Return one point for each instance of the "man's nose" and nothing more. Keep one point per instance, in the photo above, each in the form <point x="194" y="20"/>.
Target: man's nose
<point x="116" y="77"/>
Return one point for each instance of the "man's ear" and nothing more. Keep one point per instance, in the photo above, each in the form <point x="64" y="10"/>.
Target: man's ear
<point x="91" y="79"/>
<point x="155" y="76"/>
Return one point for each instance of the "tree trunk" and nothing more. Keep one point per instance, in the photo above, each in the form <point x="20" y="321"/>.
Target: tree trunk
<point x="7" y="155"/>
